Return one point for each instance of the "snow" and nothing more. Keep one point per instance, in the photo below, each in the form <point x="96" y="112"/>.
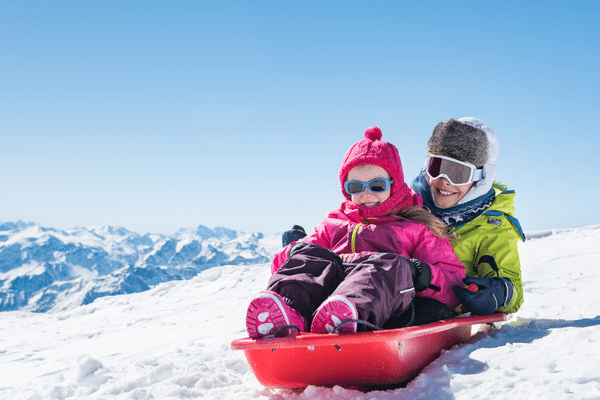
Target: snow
<point x="173" y="341"/>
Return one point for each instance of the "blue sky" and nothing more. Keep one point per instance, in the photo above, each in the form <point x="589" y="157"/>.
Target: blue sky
<point x="160" y="115"/>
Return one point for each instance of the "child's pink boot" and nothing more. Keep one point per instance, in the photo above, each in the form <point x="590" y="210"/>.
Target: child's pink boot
<point x="268" y="313"/>
<point x="333" y="313"/>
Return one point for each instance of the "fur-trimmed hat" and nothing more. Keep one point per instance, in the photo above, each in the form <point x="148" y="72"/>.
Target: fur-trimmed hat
<point x="468" y="139"/>
<point x="459" y="140"/>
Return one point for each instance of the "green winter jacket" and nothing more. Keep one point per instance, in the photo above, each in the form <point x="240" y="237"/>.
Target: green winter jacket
<point x="487" y="245"/>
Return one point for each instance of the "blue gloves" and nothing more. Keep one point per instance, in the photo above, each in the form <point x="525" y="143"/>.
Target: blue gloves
<point x="491" y="293"/>
<point x="296" y="233"/>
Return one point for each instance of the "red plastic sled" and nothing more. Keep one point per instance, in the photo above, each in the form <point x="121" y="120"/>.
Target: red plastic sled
<point x="357" y="360"/>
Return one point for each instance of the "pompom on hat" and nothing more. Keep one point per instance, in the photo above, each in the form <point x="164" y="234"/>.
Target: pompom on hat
<point x="373" y="150"/>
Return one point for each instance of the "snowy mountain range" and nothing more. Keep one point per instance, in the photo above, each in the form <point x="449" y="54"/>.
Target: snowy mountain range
<point x="43" y="269"/>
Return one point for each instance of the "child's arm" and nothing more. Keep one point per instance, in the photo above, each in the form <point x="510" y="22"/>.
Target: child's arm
<point x="446" y="269"/>
<point x="319" y="237"/>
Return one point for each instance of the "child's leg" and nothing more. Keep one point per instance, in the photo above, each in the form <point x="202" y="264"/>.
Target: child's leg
<point x="380" y="286"/>
<point x="307" y="278"/>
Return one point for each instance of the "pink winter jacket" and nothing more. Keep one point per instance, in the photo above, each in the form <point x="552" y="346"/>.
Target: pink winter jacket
<point x="345" y="232"/>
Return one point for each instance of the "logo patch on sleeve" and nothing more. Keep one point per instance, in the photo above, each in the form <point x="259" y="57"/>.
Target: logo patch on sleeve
<point x="494" y="221"/>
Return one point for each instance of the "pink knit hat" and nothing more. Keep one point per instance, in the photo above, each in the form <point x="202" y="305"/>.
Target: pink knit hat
<point x="372" y="150"/>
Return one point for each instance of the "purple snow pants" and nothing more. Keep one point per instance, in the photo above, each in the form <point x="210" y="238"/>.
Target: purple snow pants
<point x="379" y="284"/>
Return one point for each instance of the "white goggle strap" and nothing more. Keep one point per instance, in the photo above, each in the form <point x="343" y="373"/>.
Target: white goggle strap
<point x="477" y="175"/>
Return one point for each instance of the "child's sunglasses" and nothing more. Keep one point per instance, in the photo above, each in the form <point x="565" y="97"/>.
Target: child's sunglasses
<point x="457" y="172"/>
<point x="378" y="185"/>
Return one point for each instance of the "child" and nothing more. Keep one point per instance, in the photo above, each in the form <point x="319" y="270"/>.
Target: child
<point x="363" y="264"/>
<point x="457" y="185"/>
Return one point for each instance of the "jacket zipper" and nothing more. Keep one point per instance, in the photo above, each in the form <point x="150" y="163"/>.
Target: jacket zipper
<point x="353" y="239"/>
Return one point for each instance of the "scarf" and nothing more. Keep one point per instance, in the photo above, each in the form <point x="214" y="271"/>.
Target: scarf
<point x="459" y="214"/>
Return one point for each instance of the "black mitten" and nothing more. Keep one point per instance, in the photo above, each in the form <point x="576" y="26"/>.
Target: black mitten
<point x="421" y="274"/>
<point x="296" y="233"/>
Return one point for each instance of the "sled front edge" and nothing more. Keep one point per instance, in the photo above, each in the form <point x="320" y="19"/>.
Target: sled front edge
<point x="356" y="360"/>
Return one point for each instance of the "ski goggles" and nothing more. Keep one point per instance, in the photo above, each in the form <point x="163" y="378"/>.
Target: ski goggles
<point x="378" y="185"/>
<point x="457" y="172"/>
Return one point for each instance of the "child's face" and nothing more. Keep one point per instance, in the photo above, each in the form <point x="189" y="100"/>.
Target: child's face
<point x="445" y="194"/>
<point x="365" y="173"/>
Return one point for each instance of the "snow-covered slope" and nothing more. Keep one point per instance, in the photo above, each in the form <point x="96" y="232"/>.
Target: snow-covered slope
<point x="173" y="341"/>
<point x="43" y="269"/>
